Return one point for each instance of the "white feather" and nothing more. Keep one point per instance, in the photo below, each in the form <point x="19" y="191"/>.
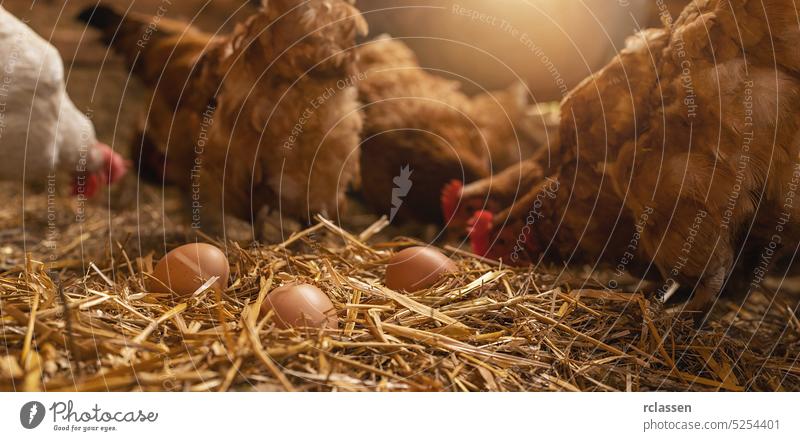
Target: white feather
<point x="41" y="129"/>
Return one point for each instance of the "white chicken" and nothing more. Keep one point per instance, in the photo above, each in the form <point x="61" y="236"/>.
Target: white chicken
<point x="41" y="130"/>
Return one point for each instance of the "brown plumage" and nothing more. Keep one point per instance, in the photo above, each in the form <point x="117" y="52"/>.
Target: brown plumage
<point x="501" y="189"/>
<point x="421" y="120"/>
<point x="264" y="117"/>
<point x="682" y="152"/>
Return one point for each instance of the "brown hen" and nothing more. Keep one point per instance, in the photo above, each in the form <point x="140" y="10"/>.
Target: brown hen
<point x="264" y="117"/>
<point x="421" y="131"/>
<point x="679" y="156"/>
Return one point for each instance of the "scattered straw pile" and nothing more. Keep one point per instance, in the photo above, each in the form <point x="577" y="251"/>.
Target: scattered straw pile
<point x="490" y="328"/>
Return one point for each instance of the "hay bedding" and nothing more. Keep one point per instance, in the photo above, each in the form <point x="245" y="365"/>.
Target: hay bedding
<point x="490" y="328"/>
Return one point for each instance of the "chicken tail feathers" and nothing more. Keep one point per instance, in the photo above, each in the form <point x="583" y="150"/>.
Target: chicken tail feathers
<point x="117" y="29"/>
<point x="157" y="49"/>
<point x="100" y="16"/>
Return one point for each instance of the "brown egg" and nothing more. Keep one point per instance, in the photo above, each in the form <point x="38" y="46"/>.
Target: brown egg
<point x="301" y="305"/>
<point x="186" y="268"/>
<point x="417" y="268"/>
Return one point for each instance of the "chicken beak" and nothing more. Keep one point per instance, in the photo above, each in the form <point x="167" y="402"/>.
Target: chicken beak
<point x="114" y="165"/>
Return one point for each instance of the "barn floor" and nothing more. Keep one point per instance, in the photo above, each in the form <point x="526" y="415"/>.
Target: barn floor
<point x="74" y="315"/>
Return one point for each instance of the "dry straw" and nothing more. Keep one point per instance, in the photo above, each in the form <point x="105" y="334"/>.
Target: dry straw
<point x="71" y="325"/>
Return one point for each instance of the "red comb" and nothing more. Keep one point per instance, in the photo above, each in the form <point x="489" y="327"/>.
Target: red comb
<point x="451" y="195"/>
<point x="479" y="230"/>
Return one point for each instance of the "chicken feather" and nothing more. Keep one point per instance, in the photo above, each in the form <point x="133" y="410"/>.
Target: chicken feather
<point x="266" y="116"/>
<point x="419" y="119"/>
<point x="678" y="159"/>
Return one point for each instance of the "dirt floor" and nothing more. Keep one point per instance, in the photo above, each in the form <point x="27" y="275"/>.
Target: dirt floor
<point x="501" y="329"/>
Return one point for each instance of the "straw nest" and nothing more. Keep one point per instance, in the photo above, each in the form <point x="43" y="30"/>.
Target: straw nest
<point x="81" y="320"/>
